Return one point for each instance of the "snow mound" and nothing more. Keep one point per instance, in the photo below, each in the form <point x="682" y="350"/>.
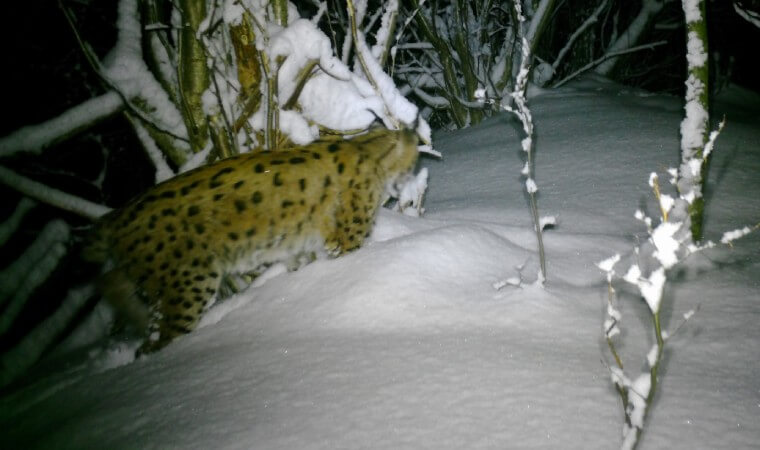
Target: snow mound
<point x="427" y="279"/>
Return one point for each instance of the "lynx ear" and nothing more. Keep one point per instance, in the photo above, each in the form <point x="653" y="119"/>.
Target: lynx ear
<point x="377" y="123"/>
<point x="416" y="122"/>
<point x="404" y="126"/>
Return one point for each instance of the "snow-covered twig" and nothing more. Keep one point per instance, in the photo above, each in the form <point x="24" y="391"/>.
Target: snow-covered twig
<point x="124" y="71"/>
<point x="523" y="113"/>
<point x="11" y="224"/>
<point x="605" y="57"/>
<point x="19" y="358"/>
<point x="163" y="171"/>
<point x="541" y="14"/>
<point x="35" y="138"/>
<point x="431" y="100"/>
<point x="415" y="46"/>
<point x="385" y="35"/>
<point x="368" y="63"/>
<point x="673" y="239"/>
<point x="411" y="193"/>
<point x="668" y="245"/>
<point x="592" y="19"/>
<point x="51" y="196"/>
<point x="649" y="9"/>
<point x="752" y="17"/>
<point x="30" y="270"/>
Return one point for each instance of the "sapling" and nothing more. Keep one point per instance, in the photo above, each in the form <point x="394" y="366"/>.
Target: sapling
<point x="523" y="113"/>
<point x="674" y="238"/>
<point x="670" y="243"/>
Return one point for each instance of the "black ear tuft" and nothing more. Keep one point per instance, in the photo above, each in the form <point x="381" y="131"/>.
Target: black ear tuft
<point x="416" y="122"/>
<point x="413" y="125"/>
<point x="377" y="123"/>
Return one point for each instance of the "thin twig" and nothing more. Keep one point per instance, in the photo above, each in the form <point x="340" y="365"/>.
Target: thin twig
<point x="601" y="59"/>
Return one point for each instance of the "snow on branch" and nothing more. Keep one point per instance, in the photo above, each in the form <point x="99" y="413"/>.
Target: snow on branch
<point x="540" y="15"/>
<point x="125" y="68"/>
<point x="163" y="171"/>
<point x="328" y="97"/>
<point x="592" y="19"/>
<point x="19" y="358"/>
<point x="35" y="138"/>
<point x="649" y="8"/>
<point x="752" y="17"/>
<point x="315" y="88"/>
<point x="605" y="57"/>
<point x="398" y="108"/>
<point x="385" y="35"/>
<point x="670" y="243"/>
<point x="30" y="270"/>
<point x="11" y="224"/>
<point x="522" y="111"/>
<point x="696" y="145"/>
<point x="51" y="196"/>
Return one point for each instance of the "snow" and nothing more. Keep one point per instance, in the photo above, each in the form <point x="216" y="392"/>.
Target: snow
<point x="649" y="8"/>
<point x="750" y="16"/>
<point x="336" y="98"/>
<point x="693" y="127"/>
<point x="390" y="11"/>
<point x="300" y="42"/>
<point x="18" y="359"/>
<point x="233" y="12"/>
<point x="696" y="54"/>
<point x="11" y="224"/>
<point x="530" y="186"/>
<point x="691" y="11"/>
<point x="398" y="106"/>
<point x="337" y="104"/>
<point x="158" y="158"/>
<point x="407" y="343"/>
<point x="35" y="138"/>
<point x="729" y="236"/>
<point x="633" y="275"/>
<point x="127" y="71"/>
<point x="651" y="288"/>
<point x="30" y="270"/>
<point x="51" y="196"/>
<point x="666" y="203"/>
<point x="411" y="194"/>
<point x="666" y="244"/>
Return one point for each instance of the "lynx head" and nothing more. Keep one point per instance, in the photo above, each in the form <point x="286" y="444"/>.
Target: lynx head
<point x="395" y="151"/>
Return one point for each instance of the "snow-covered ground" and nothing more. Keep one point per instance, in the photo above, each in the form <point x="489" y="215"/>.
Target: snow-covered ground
<point x="406" y="344"/>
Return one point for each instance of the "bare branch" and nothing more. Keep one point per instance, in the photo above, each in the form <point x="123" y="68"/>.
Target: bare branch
<point x="631" y="35"/>
<point x="581" y="29"/>
<point x="606" y="57"/>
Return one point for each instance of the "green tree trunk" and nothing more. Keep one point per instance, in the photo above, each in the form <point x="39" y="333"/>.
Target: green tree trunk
<point x="694" y="129"/>
<point x="193" y="73"/>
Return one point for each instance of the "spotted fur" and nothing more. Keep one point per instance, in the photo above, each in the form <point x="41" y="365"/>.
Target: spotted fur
<point x="171" y="245"/>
